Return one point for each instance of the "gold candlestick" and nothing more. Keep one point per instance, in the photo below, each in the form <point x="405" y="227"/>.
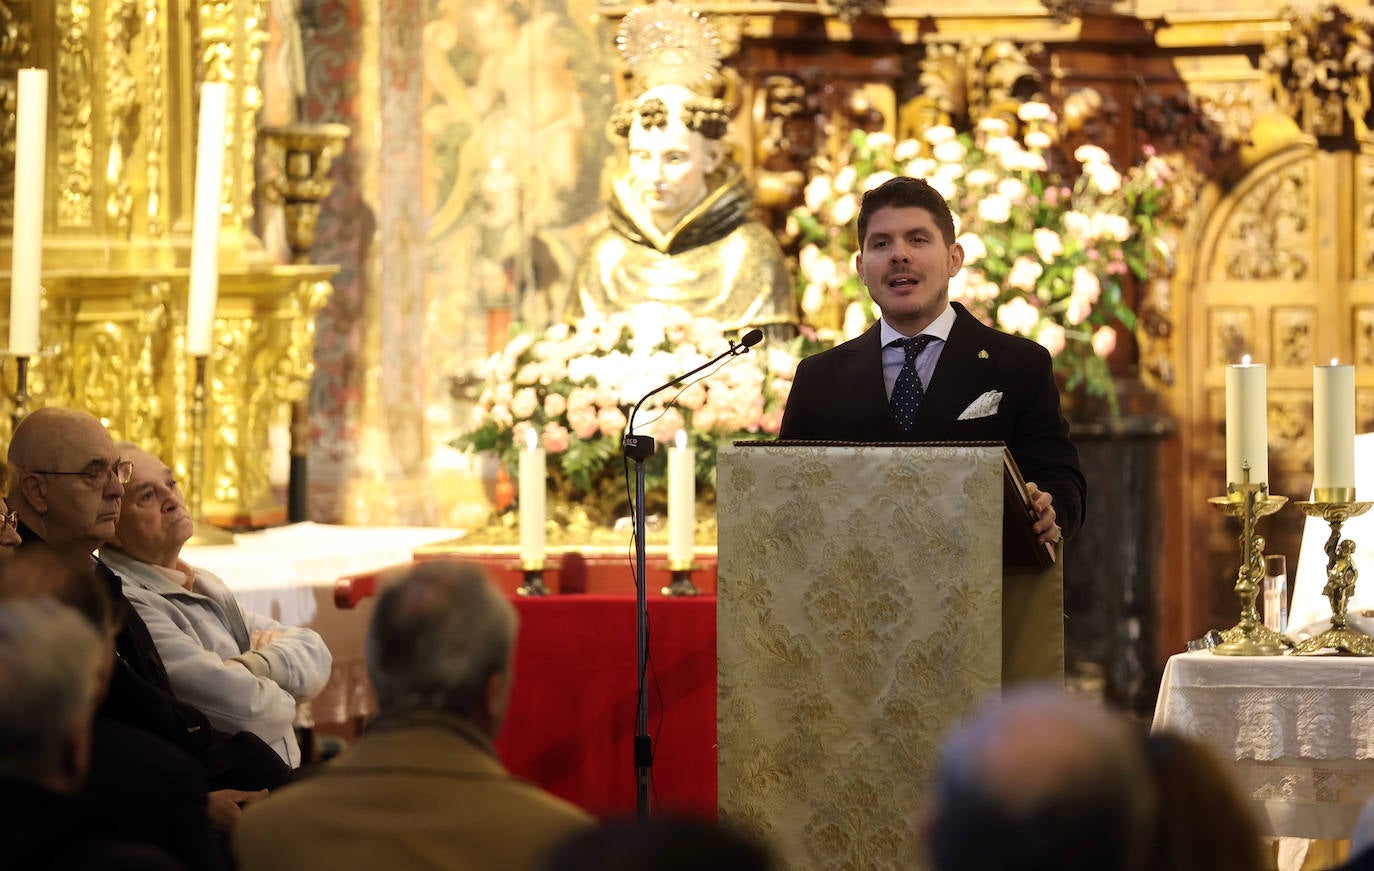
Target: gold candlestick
<point x="681" y="583"/>
<point x="203" y="533"/>
<point x="534" y="579"/>
<point x="1249" y="501"/>
<point x="21" y="391"/>
<point x="1336" y="506"/>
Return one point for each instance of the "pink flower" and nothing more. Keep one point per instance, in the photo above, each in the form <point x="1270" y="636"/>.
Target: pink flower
<point x="611" y="421"/>
<point x="771" y="422"/>
<point x="555" y="437"/>
<point x="1018" y="316"/>
<point x="1104" y="341"/>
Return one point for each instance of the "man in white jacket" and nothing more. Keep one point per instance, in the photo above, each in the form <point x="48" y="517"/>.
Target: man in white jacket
<point x="244" y="671"/>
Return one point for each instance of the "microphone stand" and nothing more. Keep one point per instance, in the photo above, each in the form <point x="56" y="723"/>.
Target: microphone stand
<point x="639" y="448"/>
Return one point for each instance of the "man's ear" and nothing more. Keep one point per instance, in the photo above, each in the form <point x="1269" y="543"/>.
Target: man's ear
<point x="34" y="490"/>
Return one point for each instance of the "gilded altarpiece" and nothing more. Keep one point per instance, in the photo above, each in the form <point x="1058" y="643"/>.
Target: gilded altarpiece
<point x="123" y="96"/>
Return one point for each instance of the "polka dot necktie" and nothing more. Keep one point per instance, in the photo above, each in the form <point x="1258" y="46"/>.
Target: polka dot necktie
<point x="908" y="392"/>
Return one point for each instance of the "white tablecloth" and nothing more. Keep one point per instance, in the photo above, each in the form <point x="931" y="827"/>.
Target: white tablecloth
<point x="1299" y="730"/>
<point x="288" y="573"/>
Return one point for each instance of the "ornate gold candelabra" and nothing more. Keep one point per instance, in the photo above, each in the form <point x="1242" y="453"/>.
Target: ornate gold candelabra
<point x="1336" y="505"/>
<point x="203" y="533"/>
<point x="1249" y="501"/>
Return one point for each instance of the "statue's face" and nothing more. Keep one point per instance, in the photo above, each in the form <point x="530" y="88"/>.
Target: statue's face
<point x="668" y="168"/>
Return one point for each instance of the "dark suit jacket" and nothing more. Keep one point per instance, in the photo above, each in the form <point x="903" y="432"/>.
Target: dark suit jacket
<point x="839" y="395"/>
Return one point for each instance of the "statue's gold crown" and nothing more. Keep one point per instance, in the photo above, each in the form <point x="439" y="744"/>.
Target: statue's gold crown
<point x="668" y="43"/>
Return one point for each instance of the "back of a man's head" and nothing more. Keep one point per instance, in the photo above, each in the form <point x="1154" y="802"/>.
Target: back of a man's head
<point x="1040" y="780"/>
<point x="440" y="641"/>
<point x="49" y="663"/>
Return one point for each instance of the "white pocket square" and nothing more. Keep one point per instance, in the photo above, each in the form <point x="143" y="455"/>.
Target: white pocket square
<point x="984" y="406"/>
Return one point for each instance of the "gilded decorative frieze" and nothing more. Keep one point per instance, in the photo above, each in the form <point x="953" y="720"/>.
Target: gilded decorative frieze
<point x="1364" y="337"/>
<point x="75" y="134"/>
<point x="1320" y="67"/>
<point x="121" y="110"/>
<point x="1293" y="336"/>
<point x="255" y="39"/>
<point x="1269" y="237"/>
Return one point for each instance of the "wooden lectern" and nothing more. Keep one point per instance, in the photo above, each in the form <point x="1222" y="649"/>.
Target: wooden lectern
<point x="862" y="612"/>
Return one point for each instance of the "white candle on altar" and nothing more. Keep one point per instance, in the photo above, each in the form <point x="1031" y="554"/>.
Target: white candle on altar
<point x="204" y="292"/>
<point x="682" y="502"/>
<point x="30" y="173"/>
<point x="1247" y="425"/>
<point x="1333" y="426"/>
<point x="532" y="499"/>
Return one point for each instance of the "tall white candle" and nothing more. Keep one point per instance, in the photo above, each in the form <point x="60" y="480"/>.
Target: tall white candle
<point x="1247" y="426"/>
<point x="204" y="293"/>
<point x="26" y="271"/>
<point x="532" y="498"/>
<point x="1333" y="426"/>
<point x="682" y="502"/>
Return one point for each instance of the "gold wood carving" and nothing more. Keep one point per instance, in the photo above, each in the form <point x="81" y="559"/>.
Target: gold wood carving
<point x="121" y="110"/>
<point x="154" y="114"/>
<point x="75" y="116"/>
<point x="1320" y="68"/>
<point x="1364" y="216"/>
<point x="1271" y="236"/>
<point x="1364" y="337"/>
<point x="1232" y="334"/>
<point x="14" y="49"/>
<point x="1293" y="335"/>
<point x="980" y="79"/>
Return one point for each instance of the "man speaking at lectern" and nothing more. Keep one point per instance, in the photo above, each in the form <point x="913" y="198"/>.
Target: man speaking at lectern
<point x="929" y="370"/>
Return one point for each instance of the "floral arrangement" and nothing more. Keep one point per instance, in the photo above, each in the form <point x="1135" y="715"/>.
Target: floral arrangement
<point x="1044" y="257"/>
<point x="574" y="386"/>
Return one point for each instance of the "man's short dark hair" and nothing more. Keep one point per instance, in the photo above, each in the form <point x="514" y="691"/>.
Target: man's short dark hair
<point x="906" y="192"/>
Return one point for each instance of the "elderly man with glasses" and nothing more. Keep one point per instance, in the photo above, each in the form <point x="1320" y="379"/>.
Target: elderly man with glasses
<point x="67" y="488"/>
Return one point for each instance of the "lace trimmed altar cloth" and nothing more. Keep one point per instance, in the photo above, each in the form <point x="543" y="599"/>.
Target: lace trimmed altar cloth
<point x="1299" y="732"/>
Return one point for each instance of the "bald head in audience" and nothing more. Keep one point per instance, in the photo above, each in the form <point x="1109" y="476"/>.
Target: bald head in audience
<point x="51" y="662"/>
<point x="441" y="640"/>
<point x="1041" y="780"/>
<point x="68" y="480"/>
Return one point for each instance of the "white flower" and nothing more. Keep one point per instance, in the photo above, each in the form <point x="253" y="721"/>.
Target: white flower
<point x="1038" y="139"/>
<point x="945" y="186"/>
<point x="1078" y="225"/>
<point x="1053" y="337"/>
<point x="950" y="171"/>
<point x="1013" y="189"/>
<point x="921" y="167"/>
<point x="939" y="133"/>
<point x="845" y="178"/>
<point x="807" y="258"/>
<point x="994" y="208"/>
<point x="995" y="127"/>
<point x="906" y="150"/>
<point x="959" y="285"/>
<point x="950" y="151"/>
<point x="1085" y="285"/>
<point x="1047" y="243"/>
<point x="1115" y="227"/>
<point x="1077" y="311"/>
<point x="855" y="320"/>
<point x="974" y="249"/>
<point x="878" y="178"/>
<point x="980" y="177"/>
<point x="1104" y="177"/>
<point x="817" y="192"/>
<point x="1090" y="154"/>
<point x="845" y="208"/>
<point x="1018" y="316"/>
<point x="1024" y="161"/>
<point x="1034" y="111"/>
<point x="880" y="141"/>
<point x="1025" y="272"/>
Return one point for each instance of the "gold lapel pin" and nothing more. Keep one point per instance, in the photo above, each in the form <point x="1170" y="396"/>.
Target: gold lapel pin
<point x="982" y="355"/>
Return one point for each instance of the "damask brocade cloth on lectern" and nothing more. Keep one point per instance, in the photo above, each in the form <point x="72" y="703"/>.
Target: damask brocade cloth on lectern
<point x="859" y="617"/>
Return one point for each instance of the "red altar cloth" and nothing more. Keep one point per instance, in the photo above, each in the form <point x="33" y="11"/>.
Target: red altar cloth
<point x="571" y="723"/>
